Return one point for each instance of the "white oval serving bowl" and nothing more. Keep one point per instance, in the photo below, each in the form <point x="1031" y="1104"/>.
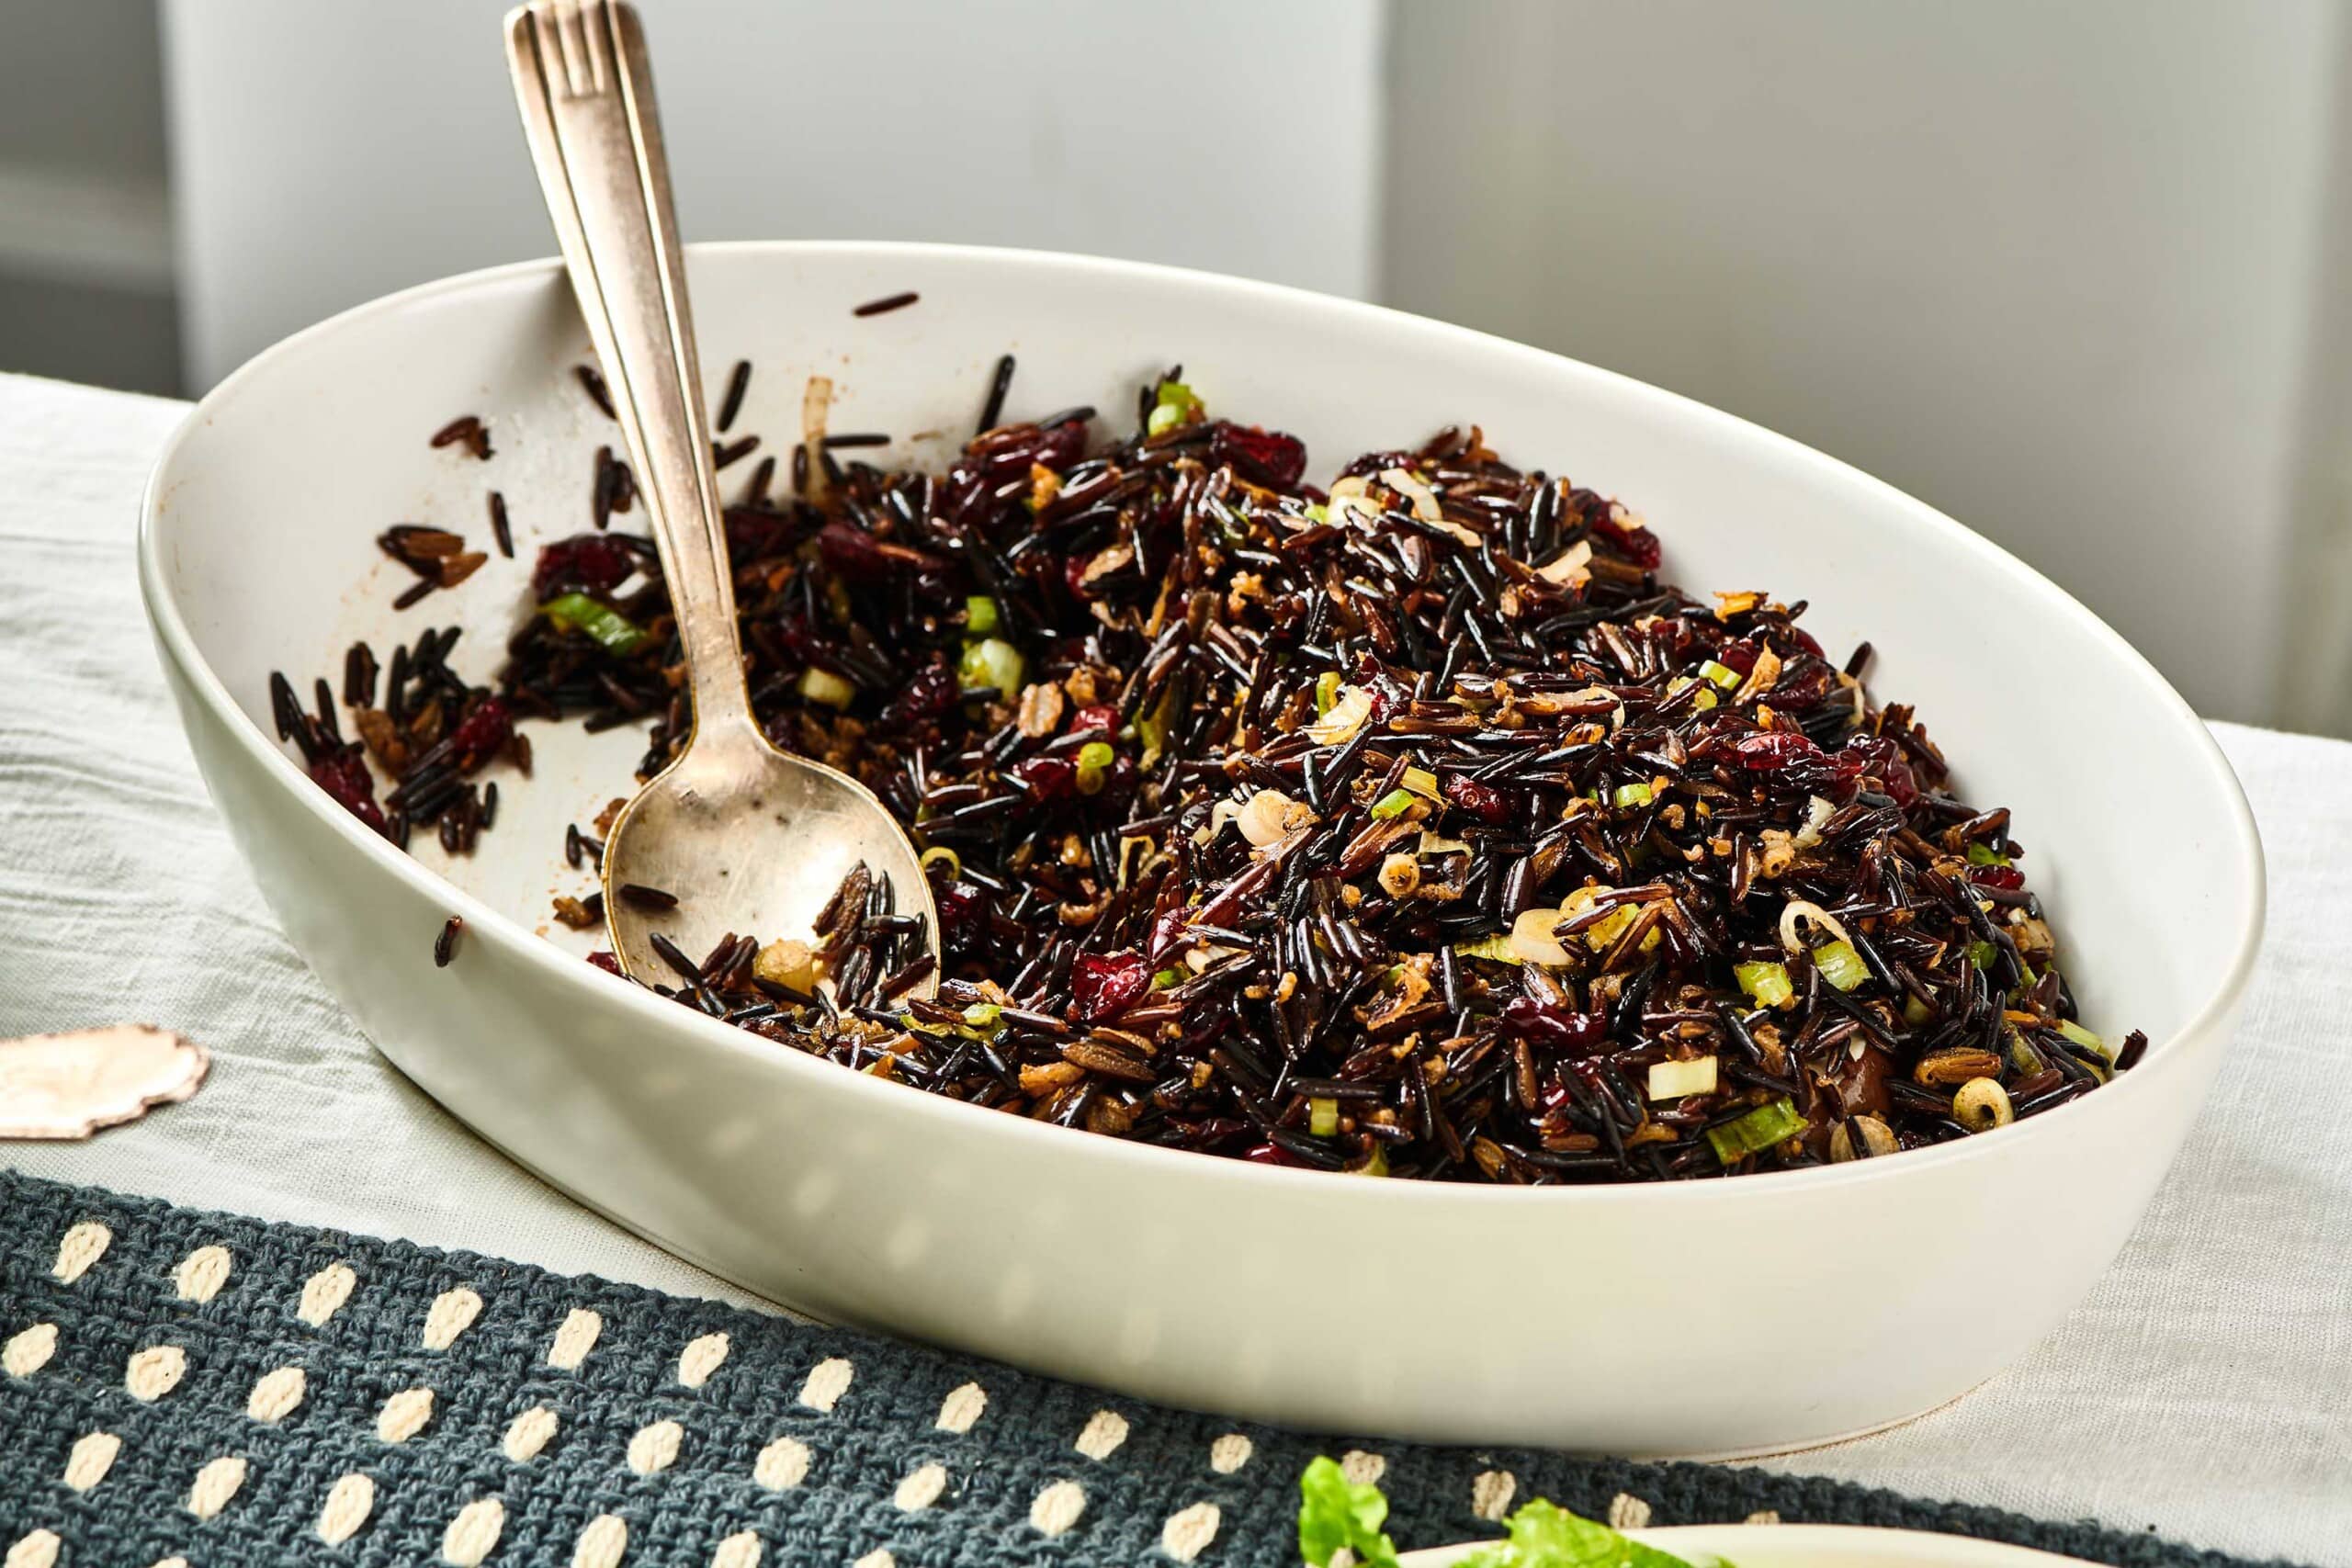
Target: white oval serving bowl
<point x="1702" y="1317"/>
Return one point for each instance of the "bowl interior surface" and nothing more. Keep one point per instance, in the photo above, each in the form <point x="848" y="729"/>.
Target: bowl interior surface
<point x="266" y="510"/>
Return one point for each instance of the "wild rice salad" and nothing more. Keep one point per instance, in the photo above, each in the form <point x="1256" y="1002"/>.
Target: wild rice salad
<point x="1411" y="826"/>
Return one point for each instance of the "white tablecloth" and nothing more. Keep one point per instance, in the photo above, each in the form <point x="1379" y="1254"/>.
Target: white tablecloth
<point x="2203" y="1392"/>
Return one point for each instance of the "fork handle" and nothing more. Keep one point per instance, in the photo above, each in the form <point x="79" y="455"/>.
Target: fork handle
<point x="586" y="92"/>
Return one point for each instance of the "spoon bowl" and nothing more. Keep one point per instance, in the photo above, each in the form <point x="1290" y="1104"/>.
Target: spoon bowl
<point x="751" y="842"/>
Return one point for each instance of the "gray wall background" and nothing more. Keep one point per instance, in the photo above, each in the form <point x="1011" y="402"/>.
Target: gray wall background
<point x="2070" y="271"/>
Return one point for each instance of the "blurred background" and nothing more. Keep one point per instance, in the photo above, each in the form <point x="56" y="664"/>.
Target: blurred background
<point x="2074" y="271"/>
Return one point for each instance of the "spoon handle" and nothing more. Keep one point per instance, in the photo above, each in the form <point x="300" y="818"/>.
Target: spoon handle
<point x="586" y="92"/>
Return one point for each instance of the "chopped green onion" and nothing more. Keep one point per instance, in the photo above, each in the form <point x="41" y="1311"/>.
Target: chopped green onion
<point x="578" y="612"/>
<point x="1376" y="1166"/>
<point x="1322" y="1117"/>
<point x="1768" y="983"/>
<point x="1095" y="760"/>
<point x="1392" y="803"/>
<point x="824" y="686"/>
<point x="991" y="662"/>
<point x="1326" y="691"/>
<point x="1498" y="946"/>
<point x="940" y="854"/>
<point x="1420" y="781"/>
<point x="1632" y="794"/>
<point x="1166" y="979"/>
<point x="1916" y="1013"/>
<point x="1983" y="954"/>
<point x="981" y="1015"/>
<point x="1840" y="965"/>
<point x="1152" y="728"/>
<point x="1318" y="512"/>
<point x="1176" y="405"/>
<point x="1979" y="856"/>
<point x="1758" y="1130"/>
<point x="2023" y="1058"/>
<point x="1672" y="1081"/>
<point x="1723" y="675"/>
<point x="980" y="616"/>
<point x="2084" y="1038"/>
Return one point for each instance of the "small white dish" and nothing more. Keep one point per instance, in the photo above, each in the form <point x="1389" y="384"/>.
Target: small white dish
<point x="1806" y="1546"/>
<point x="1764" y="1312"/>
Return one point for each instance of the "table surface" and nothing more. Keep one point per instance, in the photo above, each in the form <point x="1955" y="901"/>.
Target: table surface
<point x="2204" y="1391"/>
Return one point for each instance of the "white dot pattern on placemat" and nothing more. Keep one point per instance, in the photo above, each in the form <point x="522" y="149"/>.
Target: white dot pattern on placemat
<point x="602" y="1543"/>
<point x="277" y="1394"/>
<point x="171" y="1562"/>
<point x="154" y="1372"/>
<point x="350" y="1502"/>
<point x="216" y="1485"/>
<point x="1229" y="1453"/>
<point x="1362" y="1469"/>
<point x="827" y="1381"/>
<point x="405" y="1414"/>
<point x="1058" y="1508"/>
<point x="29" y="1350"/>
<point x="782" y="1465"/>
<point x="473" y="1533"/>
<point x="574" y="1339"/>
<point x="81" y="1246"/>
<point x="920" y="1488"/>
<point x="654" y="1449"/>
<point x="529" y="1433"/>
<point x="1104" y="1431"/>
<point x="201" y="1274"/>
<point x="700" y="1359"/>
<point x="961" y="1409"/>
<point x="323" y="1294"/>
<point x="1627" y="1512"/>
<point x="1188" y="1531"/>
<point x="452" y="1313"/>
<point x="37" y="1549"/>
<point x="1491" y="1493"/>
<point x="1763" y="1516"/>
<point x="741" y="1549"/>
<point x="875" y="1559"/>
<point x="92" y="1457"/>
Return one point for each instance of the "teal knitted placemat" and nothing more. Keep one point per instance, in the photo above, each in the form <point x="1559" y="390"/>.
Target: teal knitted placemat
<point x="176" y="1384"/>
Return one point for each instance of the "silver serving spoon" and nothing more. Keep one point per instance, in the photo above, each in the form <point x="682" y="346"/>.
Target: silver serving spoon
<point x="749" y="839"/>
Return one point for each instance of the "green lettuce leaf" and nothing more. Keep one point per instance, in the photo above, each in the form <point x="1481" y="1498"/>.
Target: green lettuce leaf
<point x="1544" y="1536"/>
<point x="1334" y="1512"/>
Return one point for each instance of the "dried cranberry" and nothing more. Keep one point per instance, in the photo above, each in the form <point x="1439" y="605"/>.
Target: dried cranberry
<point x="1047" y="779"/>
<point x="1804" y="639"/>
<point x="2006" y="877"/>
<point x="481" y="734"/>
<point x="594" y="562"/>
<point x="1095" y="715"/>
<point x="924" y="700"/>
<point x="1105" y="984"/>
<point x="1737" y="656"/>
<point x="1483" y="801"/>
<point x="1881" y="758"/>
<point x="1770" y="751"/>
<point x="1268" y="1154"/>
<point x="1804" y="686"/>
<point x="852" y="552"/>
<point x="1635" y="543"/>
<point x="605" y="960"/>
<point x="1167" y="931"/>
<point x="755" y="534"/>
<point x="1553" y="1025"/>
<point x="1268" y="457"/>
<point x="963" y="918"/>
<point x="344" y="775"/>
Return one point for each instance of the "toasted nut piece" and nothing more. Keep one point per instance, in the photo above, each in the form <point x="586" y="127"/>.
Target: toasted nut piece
<point x="1041" y="710"/>
<point x="1399" y="875"/>
<point x="1982" y="1105"/>
<point x="1946" y="1069"/>
<point x="782" y="963"/>
<point x="1862" y="1137"/>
